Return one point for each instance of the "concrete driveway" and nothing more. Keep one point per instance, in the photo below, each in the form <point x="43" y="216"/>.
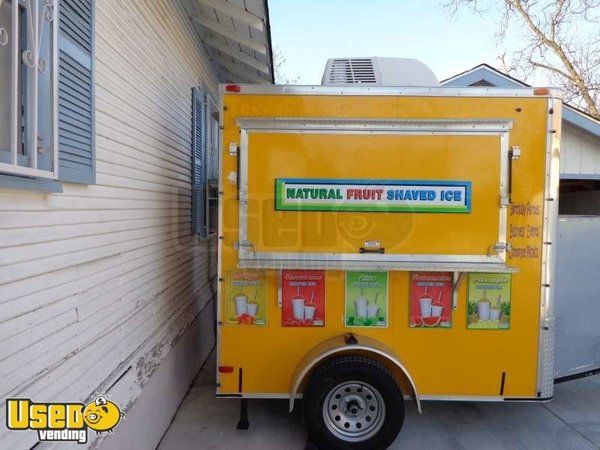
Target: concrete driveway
<point x="570" y="421"/>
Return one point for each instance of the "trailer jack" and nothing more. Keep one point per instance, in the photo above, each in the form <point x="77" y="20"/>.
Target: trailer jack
<point x="243" y="423"/>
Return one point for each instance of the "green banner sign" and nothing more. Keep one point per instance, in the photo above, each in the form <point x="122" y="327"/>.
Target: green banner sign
<point x="306" y="194"/>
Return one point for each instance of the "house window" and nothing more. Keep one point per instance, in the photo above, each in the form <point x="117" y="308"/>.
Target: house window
<point x="212" y="172"/>
<point x="205" y="163"/>
<point x="28" y="88"/>
<point x="579" y="197"/>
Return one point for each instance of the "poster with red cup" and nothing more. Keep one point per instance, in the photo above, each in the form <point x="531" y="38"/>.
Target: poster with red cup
<point x="430" y="300"/>
<point x="303" y="298"/>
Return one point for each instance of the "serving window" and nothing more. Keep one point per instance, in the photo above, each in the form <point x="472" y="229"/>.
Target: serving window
<point x="392" y="194"/>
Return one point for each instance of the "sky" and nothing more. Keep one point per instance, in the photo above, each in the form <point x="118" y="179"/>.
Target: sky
<point x="308" y="32"/>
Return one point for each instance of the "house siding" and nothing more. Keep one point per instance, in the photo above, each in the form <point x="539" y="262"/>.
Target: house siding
<point x="579" y="153"/>
<point x="99" y="282"/>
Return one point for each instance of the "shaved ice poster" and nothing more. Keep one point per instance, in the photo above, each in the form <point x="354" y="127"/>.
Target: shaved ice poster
<point x="430" y="300"/>
<point x="246" y="297"/>
<point x="488" y="301"/>
<point x="366" y="302"/>
<point x="303" y="298"/>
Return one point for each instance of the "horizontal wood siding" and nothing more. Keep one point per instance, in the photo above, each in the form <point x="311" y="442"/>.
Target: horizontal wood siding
<point x="579" y="152"/>
<point x="97" y="283"/>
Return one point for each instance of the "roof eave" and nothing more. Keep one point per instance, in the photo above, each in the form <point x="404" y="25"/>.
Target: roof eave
<point x="235" y="37"/>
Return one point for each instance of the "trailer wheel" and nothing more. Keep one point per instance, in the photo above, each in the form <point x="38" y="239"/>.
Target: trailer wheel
<point x="353" y="402"/>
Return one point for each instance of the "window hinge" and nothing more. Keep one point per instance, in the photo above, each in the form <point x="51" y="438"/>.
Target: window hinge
<point x="515" y="152"/>
<point x="233" y="149"/>
<point x="500" y="246"/>
<point x="242" y="245"/>
<point x="3" y="36"/>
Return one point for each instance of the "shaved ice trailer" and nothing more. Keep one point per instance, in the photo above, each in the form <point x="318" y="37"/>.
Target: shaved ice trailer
<point x="383" y="243"/>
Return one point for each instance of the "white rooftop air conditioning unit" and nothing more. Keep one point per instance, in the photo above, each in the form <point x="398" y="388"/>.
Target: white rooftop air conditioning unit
<point x="378" y="71"/>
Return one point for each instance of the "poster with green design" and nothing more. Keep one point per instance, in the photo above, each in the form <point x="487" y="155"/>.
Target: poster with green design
<point x="366" y="299"/>
<point x="488" y="301"/>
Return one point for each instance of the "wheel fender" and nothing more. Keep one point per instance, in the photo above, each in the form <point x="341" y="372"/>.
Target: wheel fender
<point x="355" y="345"/>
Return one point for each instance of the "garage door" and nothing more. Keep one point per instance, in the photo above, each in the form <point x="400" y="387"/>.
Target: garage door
<point x="577" y="302"/>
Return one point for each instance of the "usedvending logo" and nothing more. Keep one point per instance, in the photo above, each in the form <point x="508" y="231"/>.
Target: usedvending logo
<point x="62" y="422"/>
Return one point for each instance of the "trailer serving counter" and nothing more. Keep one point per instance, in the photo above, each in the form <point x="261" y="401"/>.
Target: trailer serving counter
<point x="376" y="243"/>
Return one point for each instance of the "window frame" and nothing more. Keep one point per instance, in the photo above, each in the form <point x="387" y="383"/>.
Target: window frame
<point x="208" y="154"/>
<point x="212" y="162"/>
<point x="576" y="191"/>
<point x="31" y="107"/>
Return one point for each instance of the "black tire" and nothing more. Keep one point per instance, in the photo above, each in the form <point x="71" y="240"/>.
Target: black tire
<point x="330" y="381"/>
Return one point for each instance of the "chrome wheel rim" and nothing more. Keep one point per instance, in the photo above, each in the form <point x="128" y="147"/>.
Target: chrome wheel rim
<point x="354" y="411"/>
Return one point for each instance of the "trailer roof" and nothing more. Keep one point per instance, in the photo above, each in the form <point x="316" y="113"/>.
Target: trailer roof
<point x="479" y="91"/>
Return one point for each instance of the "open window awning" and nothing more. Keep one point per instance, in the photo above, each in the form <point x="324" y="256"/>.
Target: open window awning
<point x="237" y="36"/>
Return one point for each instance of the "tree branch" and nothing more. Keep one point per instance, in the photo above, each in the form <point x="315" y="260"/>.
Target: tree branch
<point x="550" y="69"/>
<point x="574" y="76"/>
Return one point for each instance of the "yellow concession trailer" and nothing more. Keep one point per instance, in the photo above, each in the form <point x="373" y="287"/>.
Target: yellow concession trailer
<point x="383" y="243"/>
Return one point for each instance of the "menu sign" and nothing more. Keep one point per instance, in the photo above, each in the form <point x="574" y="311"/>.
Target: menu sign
<point x="431" y="299"/>
<point x="488" y="301"/>
<point x="303" y="298"/>
<point x="246" y="297"/>
<point x="366" y="299"/>
<point x="300" y="194"/>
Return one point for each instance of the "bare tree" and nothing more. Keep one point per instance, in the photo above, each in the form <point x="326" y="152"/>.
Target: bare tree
<point x="279" y="68"/>
<point x="562" y="40"/>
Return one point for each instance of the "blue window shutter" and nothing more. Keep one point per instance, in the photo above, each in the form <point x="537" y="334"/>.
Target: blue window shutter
<point x="199" y="144"/>
<point x="76" y="129"/>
